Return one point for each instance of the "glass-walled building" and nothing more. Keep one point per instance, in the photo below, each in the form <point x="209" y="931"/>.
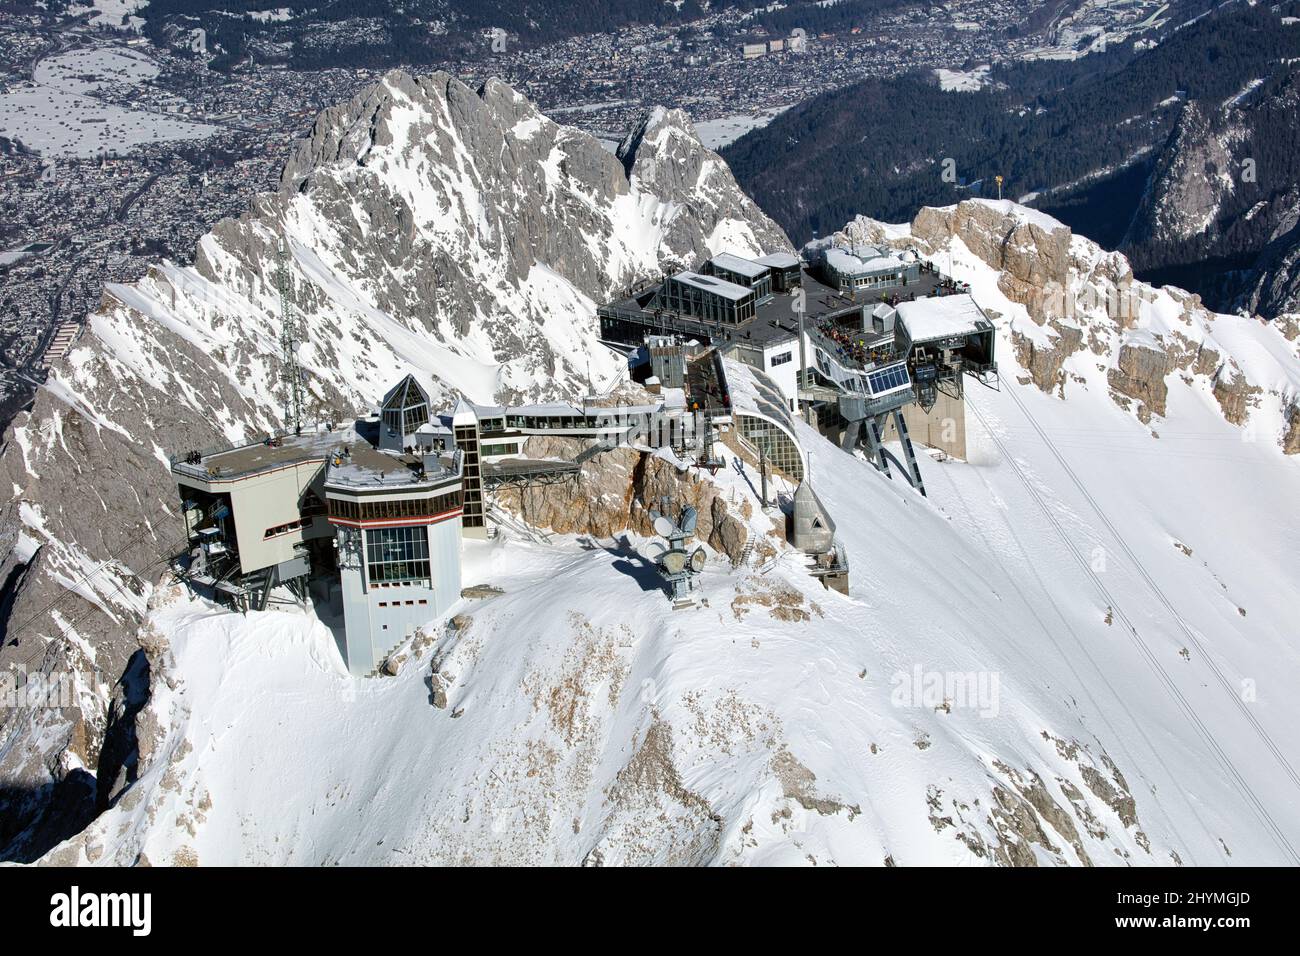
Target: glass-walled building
<point x="762" y="419"/>
<point x="743" y="272"/>
<point x="404" y="410"/>
<point x="706" y="297"/>
<point x="786" y="270"/>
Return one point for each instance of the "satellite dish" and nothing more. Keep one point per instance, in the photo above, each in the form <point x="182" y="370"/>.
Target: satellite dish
<point x="664" y="527"/>
<point x="698" y="557"/>
<point x="689" y="518"/>
<point x="674" y="562"/>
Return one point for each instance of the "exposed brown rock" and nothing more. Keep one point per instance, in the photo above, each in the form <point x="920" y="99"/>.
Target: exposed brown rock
<point x="1141" y="376"/>
<point x="615" y="491"/>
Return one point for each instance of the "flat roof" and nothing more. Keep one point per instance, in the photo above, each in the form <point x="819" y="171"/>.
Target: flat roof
<point x="848" y="263"/>
<point x="939" y="317"/>
<point x="376" y="470"/>
<point x="739" y="265"/>
<point x="779" y="260"/>
<point x="255" y="457"/>
<point x="728" y="290"/>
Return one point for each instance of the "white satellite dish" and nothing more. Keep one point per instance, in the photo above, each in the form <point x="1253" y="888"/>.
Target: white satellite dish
<point x="664" y="527"/>
<point x="698" y="557"/>
<point x="689" y="519"/>
<point x="674" y="562"/>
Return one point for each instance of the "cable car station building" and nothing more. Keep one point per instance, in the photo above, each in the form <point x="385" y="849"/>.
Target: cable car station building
<point x="880" y="343"/>
<point x="368" y="518"/>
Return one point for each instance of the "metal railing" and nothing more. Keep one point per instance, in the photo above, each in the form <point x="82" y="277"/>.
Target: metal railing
<point x="184" y="464"/>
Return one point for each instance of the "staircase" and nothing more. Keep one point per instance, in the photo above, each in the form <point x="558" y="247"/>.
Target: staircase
<point x="258" y="585"/>
<point x="506" y="520"/>
<point x="597" y="449"/>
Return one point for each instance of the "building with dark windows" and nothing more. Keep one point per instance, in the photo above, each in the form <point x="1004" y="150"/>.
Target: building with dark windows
<point x="785" y="268"/>
<point x="397" y="520"/>
<point x="943" y="340"/>
<point x="862" y="268"/>
<point x="740" y="271"/>
<point x="464" y="425"/>
<point x="707" y="298"/>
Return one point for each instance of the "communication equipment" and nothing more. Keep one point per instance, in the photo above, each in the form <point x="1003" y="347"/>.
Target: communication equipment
<point x="676" y="565"/>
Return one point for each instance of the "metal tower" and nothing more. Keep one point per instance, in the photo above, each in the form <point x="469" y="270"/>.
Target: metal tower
<point x="290" y="340"/>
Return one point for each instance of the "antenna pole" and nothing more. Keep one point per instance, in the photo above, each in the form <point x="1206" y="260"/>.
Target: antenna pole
<point x="290" y="338"/>
<point x="803" y="364"/>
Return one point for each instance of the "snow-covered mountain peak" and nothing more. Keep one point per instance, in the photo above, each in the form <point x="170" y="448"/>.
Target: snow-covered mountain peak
<point x="1101" y="599"/>
<point x="422" y="227"/>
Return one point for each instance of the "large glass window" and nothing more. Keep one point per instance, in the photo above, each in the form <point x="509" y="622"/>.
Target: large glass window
<point x="777" y="445"/>
<point x="397" y="555"/>
<point x="415" y="416"/>
<point x="888" y="378"/>
<point x="387" y="510"/>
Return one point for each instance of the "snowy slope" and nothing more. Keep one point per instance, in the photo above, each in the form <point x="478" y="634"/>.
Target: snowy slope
<point x="1110" y="625"/>
<point x="587" y="722"/>
<point x="591" y="722"/>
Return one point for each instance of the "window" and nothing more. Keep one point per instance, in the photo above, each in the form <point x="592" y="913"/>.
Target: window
<point x="387" y="510"/>
<point x="397" y="554"/>
<point x="286" y="528"/>
<point x="780" y="449"/>
<point x="888" y="378"/>
<point x="781" y="359"/>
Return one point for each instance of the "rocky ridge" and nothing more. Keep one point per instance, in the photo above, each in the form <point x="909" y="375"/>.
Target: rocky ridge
<point x="1081" y="303"/>
<point x="422" y="227"/>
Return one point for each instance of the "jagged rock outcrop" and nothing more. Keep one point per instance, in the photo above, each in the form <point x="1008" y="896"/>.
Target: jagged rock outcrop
<point x="1276" y="289"/>
<point x="1082" y="306"/>
<point x="1140" y="375"/>
<point x="1291" y="439"/>
<point x="1193" y="177"/>
<point x="1032" y="252"/>
<point x="615" y="491"/>
<point x="423" y="226"/>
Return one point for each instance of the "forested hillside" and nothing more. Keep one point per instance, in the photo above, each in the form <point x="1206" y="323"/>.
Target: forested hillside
<point x="882" y="147"/>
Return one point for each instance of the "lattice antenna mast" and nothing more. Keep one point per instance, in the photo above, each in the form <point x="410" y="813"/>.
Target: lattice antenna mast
<point x="291" y="336"/>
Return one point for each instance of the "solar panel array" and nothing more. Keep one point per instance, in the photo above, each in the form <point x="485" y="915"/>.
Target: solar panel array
<point x="888" y="378"/>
